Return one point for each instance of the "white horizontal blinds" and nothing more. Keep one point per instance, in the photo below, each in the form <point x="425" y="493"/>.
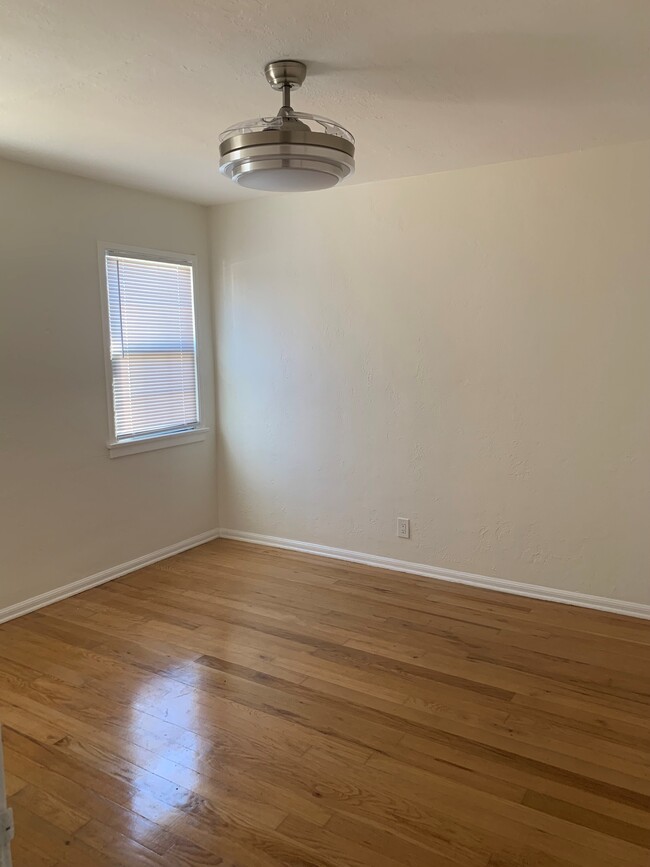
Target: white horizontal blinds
<point x="153" y="346"/>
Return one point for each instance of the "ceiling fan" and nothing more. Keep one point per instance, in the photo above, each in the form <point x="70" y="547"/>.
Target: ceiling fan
<point x="290" y="152"/>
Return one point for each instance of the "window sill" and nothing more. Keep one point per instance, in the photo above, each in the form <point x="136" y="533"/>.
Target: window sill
<point x="161" y="441"/>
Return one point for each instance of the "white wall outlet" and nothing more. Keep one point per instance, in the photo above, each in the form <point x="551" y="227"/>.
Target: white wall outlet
<point x="404" y="528"/>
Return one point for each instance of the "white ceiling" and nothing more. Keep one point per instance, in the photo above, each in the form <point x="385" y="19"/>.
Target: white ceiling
<point x="137" y="91"/>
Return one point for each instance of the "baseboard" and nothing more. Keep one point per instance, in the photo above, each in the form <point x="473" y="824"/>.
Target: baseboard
<point x="20" y="608"/>
<point x="532" y="591"/>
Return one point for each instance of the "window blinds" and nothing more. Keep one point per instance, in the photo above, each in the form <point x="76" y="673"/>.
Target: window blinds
<point x="152" y="346"/>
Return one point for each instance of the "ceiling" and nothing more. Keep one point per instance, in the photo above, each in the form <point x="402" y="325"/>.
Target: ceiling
<point x="137" y="91"/>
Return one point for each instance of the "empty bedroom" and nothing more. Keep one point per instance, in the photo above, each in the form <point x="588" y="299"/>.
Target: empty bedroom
<point x="324" y="433"/>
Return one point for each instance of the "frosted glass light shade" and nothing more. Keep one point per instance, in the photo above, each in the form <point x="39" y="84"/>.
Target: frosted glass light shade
<point x="287" y="180"/>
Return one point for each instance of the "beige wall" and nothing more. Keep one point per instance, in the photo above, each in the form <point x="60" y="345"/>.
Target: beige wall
<point x="469" y="350"/>
<point x="66" y="509"/>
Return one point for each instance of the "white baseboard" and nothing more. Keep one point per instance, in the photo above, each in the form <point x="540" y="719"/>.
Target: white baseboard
<point x="533" y="591"/>
<point x="20" y="608"/>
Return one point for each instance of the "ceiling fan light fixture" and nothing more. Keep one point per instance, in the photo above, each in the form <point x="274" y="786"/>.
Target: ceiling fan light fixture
<point x="290" y="152"/>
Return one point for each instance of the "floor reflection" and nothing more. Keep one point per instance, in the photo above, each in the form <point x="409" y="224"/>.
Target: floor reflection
<point x="168" y="752"/>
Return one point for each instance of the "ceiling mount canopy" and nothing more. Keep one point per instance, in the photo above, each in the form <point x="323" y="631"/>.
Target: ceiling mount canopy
<point x="290" y="152"/>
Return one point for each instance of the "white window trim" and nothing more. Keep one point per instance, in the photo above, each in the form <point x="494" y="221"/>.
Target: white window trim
<point x="148" y="442"/>
<point x="157" y="441"/>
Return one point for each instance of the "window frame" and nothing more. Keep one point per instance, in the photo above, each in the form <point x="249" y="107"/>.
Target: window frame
<point x="157" y="440"/>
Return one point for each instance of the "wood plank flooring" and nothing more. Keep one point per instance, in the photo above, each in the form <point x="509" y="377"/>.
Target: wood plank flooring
<point x="241" y="705"/>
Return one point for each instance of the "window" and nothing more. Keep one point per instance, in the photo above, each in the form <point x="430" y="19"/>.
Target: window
<point x="151" y="352"/>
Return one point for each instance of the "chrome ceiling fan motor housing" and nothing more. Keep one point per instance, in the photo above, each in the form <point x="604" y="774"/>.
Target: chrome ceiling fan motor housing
<point x="291" y="152"/>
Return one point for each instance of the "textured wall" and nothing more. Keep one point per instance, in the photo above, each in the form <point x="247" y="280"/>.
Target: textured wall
<point x="66" y="509"/>
<point x="469" y="350"/>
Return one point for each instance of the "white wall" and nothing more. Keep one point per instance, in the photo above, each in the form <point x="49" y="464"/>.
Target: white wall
<point x="66" y="509"/>
<point x="469" y="350"/>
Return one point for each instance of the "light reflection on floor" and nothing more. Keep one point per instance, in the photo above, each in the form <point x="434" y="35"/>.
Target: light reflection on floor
<point x="167" y="750"/>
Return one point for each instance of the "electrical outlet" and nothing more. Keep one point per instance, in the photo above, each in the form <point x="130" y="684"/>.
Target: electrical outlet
<point x="404" y="528"/>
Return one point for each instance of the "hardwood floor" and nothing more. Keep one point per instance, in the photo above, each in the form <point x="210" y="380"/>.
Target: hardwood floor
<point x="241" y="705"/>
